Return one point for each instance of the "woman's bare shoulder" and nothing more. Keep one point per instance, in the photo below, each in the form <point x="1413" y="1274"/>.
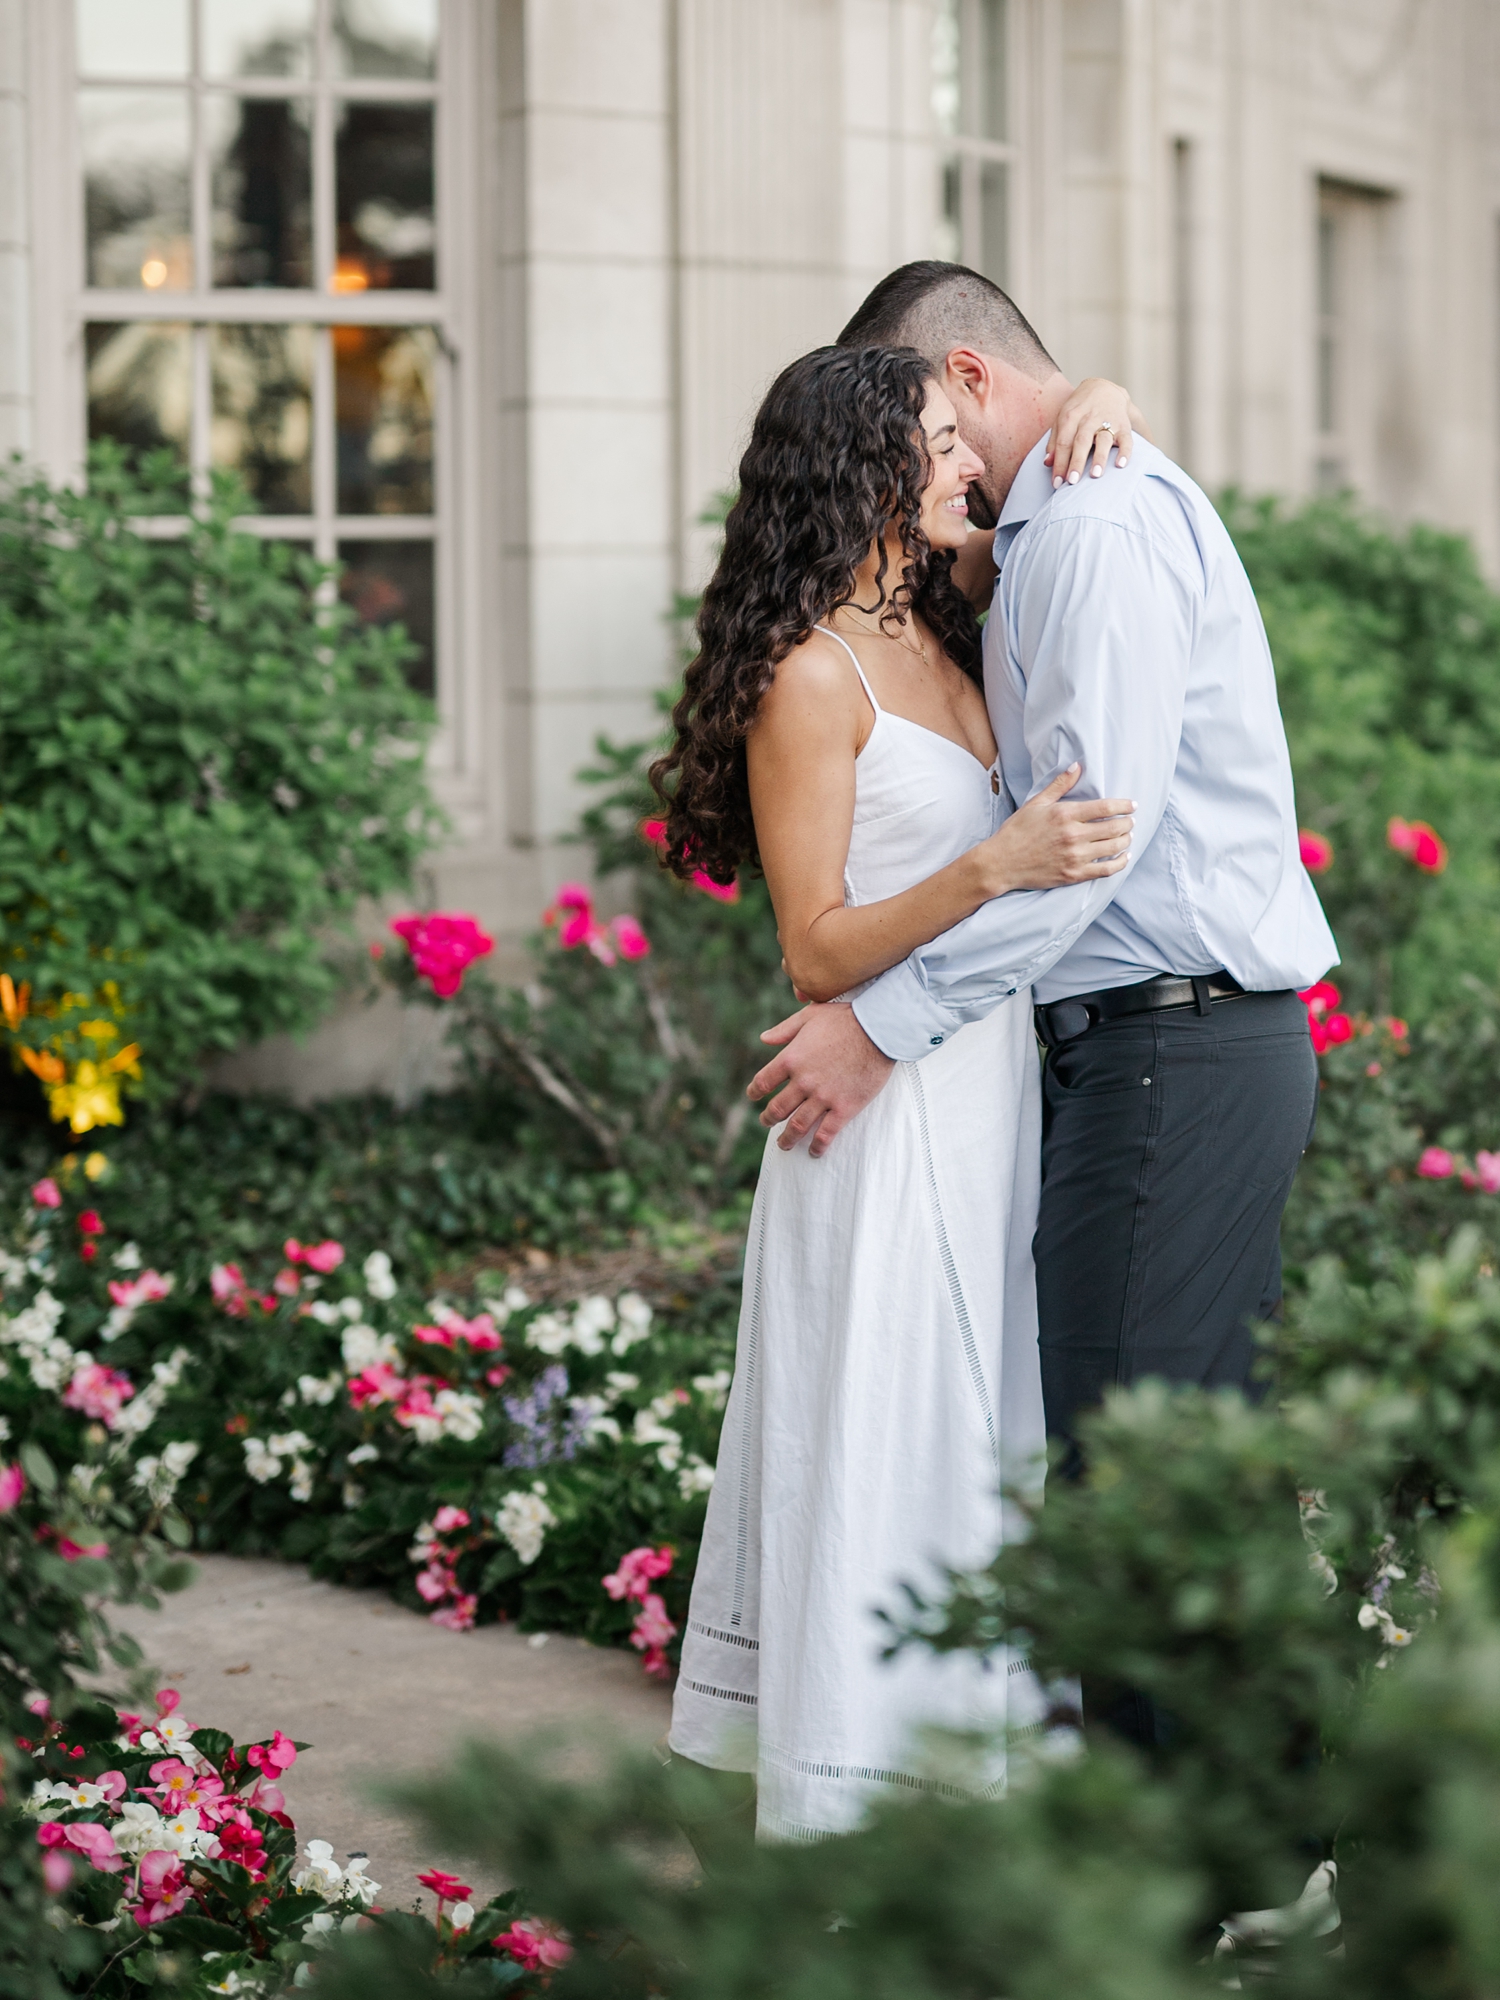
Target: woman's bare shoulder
<point x="816" y="679"/>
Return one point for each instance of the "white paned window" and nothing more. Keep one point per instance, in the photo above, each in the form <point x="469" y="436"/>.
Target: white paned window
<point x="263" y="282"/>
<point x="971" y="103"/>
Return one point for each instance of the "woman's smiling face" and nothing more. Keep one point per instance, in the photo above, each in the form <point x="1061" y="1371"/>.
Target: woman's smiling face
<point x="945" y="507"/>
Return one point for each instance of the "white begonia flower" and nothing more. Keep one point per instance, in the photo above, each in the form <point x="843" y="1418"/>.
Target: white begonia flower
<point x="83" y="1794"/>
<point x="288" y="1444"/>
<point x="462" y="1414"/>
<point x="523" y="1519"/>
<point x="319" y="1389"/>
<point x="715" y="1387"/>
<point x="172" y="1730"/>
<point x="549" y="1333"/>
<point x="324" y="1313"/>
<point x="697" y="1476"/>
<point x="362" y="1347"/>
<point x="1324" y="1571"/>
<point x="127" y="1259"/>
<point x="461" y="1916"/>
<point x="592" y="1318"/>
<point x="596" y="1424"/>
<point x="352" y="1494"/>
<point x="85" y="1478"/>
<point x="358" y="1887"/>
<point x="182" y="1833"/>
<point x="635" y="1322"/>
<point x="322" y="1874"/>
<point x="12" y="1269"/>
<point x="351" y="1307"/>
<point x="319" y="1927"/>
<point x="158" y="1477"/>
<point x="363" y="1454"/>
<point x="648" y="1429"/>
<point x="262" y="1465"/>
<point x="619" y="1383"/>
<point x="116" y="1321"/>
<point x="300" y="1485"/>
<point x="379" y="1279"/>
<point x="40" y="1802"/>
<point x="1391" y="1634"/>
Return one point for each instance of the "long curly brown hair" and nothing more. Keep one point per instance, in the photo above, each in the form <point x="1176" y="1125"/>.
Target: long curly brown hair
<point x="836" y="457"/>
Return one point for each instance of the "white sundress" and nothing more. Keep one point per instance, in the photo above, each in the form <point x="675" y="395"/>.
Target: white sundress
<point x="886" y="1381"/>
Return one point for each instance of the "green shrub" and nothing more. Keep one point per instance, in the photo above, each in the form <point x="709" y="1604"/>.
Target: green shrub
<point x="1387" y="650"/>
<point x="205" y="768"/>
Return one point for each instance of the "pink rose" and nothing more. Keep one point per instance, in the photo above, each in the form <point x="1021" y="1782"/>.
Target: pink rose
<point x="99" y="1392"/>
<point x="12" y="1486"/>
<point x="1316" y="851"/>
<point x="1435" y="1164"/>
<point x="46" y="1193"/>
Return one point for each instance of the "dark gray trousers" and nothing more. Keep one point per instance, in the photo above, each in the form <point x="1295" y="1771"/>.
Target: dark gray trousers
<point x="1169" y="1144"/>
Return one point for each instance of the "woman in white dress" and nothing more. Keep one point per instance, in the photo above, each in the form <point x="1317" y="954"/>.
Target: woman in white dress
<point x="833" y="730"/>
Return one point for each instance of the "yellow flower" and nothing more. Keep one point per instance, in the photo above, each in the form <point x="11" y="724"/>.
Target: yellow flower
<point x="92" y="1098"/>
<point x="96" y="1166"/>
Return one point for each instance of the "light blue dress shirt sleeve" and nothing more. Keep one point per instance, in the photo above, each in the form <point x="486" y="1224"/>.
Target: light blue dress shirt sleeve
<point x="1099" y="626"/>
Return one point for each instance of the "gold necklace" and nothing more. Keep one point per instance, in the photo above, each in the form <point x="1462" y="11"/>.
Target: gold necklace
<point x="918" y="652"/>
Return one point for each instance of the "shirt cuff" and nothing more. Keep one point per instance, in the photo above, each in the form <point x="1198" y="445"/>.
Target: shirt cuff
<point x="901" y="1017"/>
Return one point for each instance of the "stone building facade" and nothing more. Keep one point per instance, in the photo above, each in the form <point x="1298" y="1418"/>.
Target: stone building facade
<point x="480" y="294"/>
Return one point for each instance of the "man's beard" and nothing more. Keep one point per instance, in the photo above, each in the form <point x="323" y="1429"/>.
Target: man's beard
<point x="984" y="512"/>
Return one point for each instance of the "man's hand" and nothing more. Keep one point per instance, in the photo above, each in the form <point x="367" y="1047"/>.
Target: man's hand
<point x="827" y="1072"/>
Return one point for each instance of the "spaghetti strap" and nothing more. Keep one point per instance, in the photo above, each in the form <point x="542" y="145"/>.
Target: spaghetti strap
<point x="855" y="657"/>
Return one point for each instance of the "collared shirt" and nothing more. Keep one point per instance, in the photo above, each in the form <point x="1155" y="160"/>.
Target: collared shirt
<point x="1124" y="633"/>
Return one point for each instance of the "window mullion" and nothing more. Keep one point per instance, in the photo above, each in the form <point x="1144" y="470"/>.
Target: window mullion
<point x="324" y="207"/>
<point x="200" y="435"/>
<point x="325" y="446"/>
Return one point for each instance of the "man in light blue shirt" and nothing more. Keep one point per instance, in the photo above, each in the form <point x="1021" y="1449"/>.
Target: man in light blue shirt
<point x="1180" y="1083"/>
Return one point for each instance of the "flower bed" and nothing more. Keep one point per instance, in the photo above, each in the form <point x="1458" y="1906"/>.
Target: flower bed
<point x="482" y="1456"/>
<point x="164" y="1836"/>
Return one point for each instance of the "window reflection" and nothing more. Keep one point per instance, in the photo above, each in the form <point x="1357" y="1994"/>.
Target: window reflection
<point x="260" y="164"/>
<point x="135" y="166"/>
<point x="391" y="583"/>
<point x="262" y="412"/>
<point x="385" y="37"/>
<point x="257" y="37"/>
<point x="384" y="198"/>
<point x="383" y="395"/>
<point x="145" y="38"/>
<point x="140" y="386"/>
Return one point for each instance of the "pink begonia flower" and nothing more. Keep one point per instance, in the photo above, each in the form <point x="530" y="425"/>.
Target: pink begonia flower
<point x="443" y="945"/>
<point x="1468" y="1180"/>
<point x="46" y="1193"/>
<point x="94" y="1842"/>
<point x="479" y="1333"/>
<point x="446" y="1519"/>
<point x="286" y="1282"/>
<point x="37" y="1704"/>
<point x="111" y="1783"/>
<point x="57" y="1871"/>
<point x="164" y="1889"/>
<point x="90" y="1223"/>
<point x="630" y="940"/>
<point x="1436" y="1164"/>
<point x="227" y="1283"/>
<point x="73" y="1552"/>
<point x="572" y="911"/>
<point x="495" y="1376"/>
<point x="1316" y="851"/>
<point x="99" y="1392"/>
<point x="1373" y="1069"/>
<point x="1424" y="848"/>
<point x="1327" y="1029"/>
<point x="142" y="1291"/>
<point x="447" y="1888"/>
<point x="433" y="1336"/>
<point x="324" y="1257"/>
<point x="1487" y="1169"/>
<point x="533" y="1943"/>
<point x="274" y="1757"/>
<point x="178" y="1786"/>
<point x="637" y="1572"/>
<point x="458" y="1616"/>
<point x="652" y="1633"/>
<point x="435" y="1582"/>
<point x="12" y="1486"/>
<point x="379" y="1383"/>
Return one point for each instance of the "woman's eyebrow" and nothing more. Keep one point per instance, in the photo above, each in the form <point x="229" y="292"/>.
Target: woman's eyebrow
<point x="933" y="436"/>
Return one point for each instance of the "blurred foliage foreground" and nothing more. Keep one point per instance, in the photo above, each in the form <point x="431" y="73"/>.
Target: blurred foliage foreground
<point x="1309" y="1590"/>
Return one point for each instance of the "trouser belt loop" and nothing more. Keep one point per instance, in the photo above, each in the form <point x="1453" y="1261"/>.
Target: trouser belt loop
<point x="1200" y="994"/>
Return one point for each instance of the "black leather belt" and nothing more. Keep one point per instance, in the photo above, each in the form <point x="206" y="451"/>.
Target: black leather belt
<point x="1062" y="1020"/>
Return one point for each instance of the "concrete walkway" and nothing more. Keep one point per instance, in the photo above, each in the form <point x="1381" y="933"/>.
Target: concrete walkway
<point x="378" y="1692"/>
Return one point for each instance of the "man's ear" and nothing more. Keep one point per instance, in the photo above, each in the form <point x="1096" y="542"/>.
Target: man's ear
<point x="969" y="376"/>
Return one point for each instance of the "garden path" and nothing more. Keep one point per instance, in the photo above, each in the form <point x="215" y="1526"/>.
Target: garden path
<point x="377" y="1691"/>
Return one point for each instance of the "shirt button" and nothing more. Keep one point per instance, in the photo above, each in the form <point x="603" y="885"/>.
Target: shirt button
<point x="1145" y="1079"/>
<point x="937" y="1042"/>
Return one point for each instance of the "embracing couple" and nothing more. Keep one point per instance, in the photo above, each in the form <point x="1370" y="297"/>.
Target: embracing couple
<point x="1074" y="825"/>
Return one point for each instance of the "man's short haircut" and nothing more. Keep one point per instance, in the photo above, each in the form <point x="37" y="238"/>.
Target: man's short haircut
<point x="936" y="307"/>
